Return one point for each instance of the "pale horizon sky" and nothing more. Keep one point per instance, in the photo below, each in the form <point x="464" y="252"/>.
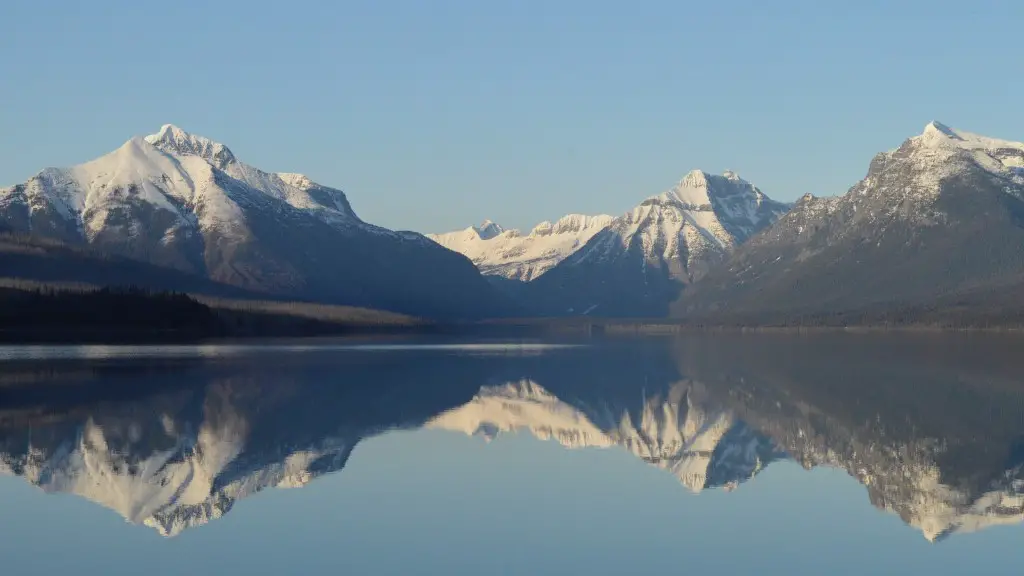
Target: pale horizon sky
<point x="436" y="115"/>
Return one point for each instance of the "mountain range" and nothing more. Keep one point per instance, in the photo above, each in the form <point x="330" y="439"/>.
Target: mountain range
<point x="645" y="258"/>
<point x="934" y="233"/>
<point x="512" y="255"/>
<point x="942" y="216"/>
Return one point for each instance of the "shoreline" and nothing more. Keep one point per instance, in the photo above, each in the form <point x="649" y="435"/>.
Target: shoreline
<point x="483" y="329"/>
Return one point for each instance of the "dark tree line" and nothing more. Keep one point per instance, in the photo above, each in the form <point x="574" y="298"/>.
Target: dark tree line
<point x="129" y="309"/>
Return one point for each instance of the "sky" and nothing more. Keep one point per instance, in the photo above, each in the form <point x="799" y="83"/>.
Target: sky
<point x="436" y="115"/>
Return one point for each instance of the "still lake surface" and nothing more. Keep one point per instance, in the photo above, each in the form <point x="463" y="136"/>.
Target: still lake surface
<point x="738" y="454"/>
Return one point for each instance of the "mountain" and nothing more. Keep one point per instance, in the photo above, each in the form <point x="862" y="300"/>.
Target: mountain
<point x="509" y="254"/>
<point x="940" y="216"/>
<point x="183" y="201"/>
<point x="641" y="261"/>
<point x="51" y="262"/>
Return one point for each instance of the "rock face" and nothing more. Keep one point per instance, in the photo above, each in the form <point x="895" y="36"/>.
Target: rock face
<point x="641" y="261"/>
<point x="183" y="201"/>
<point x="513" y="255"/>
<point x="940" y="215"/>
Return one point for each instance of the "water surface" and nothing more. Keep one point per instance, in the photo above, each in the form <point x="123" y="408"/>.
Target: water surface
<point x="842" y="454"/>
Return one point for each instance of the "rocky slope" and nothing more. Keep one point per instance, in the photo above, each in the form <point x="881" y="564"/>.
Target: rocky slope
<point x="184" y="201"/>
<point x="641" y="261"/>
<point x="511" y="254"/>
<point x="940" y="215"/>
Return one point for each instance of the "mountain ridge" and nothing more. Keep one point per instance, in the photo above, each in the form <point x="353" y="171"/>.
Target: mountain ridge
<point x="644" y="258"/>
<point x="941" y="214"/>
<point x="510" y="254"/>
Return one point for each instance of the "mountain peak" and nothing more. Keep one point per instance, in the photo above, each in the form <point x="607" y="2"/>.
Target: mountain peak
<point x="571" y="223"/>
<point x="701" y="180"/>
<point x="938" y="134"/>
<point x="938" y="128"/>
<point x="167" y="130"/>
<point x="697" y="187"/>
<point x="511" y="254"/>
<point x="488" y="229"/>
<point x="174" y="140"/>
<point x="694" y="179"/>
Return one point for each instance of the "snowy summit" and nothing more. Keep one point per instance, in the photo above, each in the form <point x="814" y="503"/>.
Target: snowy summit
<point x="184" y="201"/>
<point x="511" y="254"/>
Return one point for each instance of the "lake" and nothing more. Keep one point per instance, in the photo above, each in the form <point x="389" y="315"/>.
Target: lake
<point x="740" y="454"/>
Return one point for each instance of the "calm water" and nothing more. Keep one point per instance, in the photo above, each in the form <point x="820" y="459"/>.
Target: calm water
<point x="838" y="454"/>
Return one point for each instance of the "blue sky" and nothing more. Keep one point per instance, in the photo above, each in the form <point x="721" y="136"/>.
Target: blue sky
<point x="435" y="115"/>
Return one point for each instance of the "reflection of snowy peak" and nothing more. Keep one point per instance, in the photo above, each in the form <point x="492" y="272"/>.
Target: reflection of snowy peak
<point x="511" y="254"/>
<point x="945" y="461"/>
<point x="904" y="479"/>
<point x="702" y="448"/>
<point x="164" y="477"/>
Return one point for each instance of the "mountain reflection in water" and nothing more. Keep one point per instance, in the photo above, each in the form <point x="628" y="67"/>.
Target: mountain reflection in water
<point x="931" y="425"/>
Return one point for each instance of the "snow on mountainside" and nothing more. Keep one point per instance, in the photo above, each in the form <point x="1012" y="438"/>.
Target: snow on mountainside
<point x="184" y="201"/>
<point x="642" y="259"/>
<point x="700" y="218"/>
<point x="942" y="213"/>
<point x="170" y="171"/>
<point x="702" y="448"/>
<point x="510" y="254"/>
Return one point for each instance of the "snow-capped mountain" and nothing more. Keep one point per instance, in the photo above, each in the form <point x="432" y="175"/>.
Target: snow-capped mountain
<point x="940" y="214"/>
<point x="639" y="263"/>
<point x="184" y="201"/>
<point x="678" y="433"/>
<point x="511" y="254"/>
